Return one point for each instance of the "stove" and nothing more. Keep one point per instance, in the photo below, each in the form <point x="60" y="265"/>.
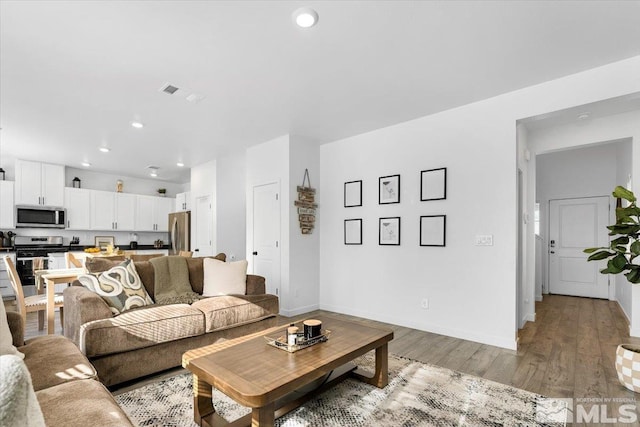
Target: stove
<point x="32" y="254"/>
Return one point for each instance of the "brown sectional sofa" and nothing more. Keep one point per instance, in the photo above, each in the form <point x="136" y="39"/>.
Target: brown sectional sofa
<point x="65" y="382"/>
<point x="151" y="339"/>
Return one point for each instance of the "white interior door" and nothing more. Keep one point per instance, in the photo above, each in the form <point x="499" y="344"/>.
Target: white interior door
<point x="576" y="224"/>
<point x="266" y="235"/>
<point x="203" y="236"/>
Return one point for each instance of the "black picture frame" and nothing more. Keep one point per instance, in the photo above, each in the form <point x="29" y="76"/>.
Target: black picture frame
<point x="353" y="194"/>
<point x="433" y="230"/>
<point x="389" y="231"/>
<point x="353" y="231"/>
<point x="433" y="184"/>
<point x="389" y="189"/>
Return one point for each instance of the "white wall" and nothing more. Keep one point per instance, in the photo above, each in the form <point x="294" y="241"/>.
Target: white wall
<point x="269" y="163"/>
<point x="624" y="177"/>
<point x="471" y="289"/>
<point x="203" y="183"/>
<point x="231" y="205"/>
<point x="304" y="248"/>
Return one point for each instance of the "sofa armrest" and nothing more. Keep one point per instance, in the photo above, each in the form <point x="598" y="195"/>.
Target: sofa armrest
<point x="82" y="306"/>
<point x="255" y="285"/>
<point x="16" y="326"/>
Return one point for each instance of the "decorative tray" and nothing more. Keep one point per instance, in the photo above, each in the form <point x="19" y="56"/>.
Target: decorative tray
<point x="301" y="341"/>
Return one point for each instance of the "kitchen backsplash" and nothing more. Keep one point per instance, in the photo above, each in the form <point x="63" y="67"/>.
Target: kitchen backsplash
<point x="87" y="238"/>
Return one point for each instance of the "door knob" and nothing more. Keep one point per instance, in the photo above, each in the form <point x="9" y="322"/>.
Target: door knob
<point x="255" y="253"/>
<point x="552" y="252"/>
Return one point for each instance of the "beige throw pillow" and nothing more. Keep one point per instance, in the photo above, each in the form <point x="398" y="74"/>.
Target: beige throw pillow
<point x="224" y="278"/>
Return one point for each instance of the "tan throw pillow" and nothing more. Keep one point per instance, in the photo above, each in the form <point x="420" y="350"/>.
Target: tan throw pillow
<point x="224" y="278"/>
<point x="6" y="340"/>
<point x="120" y="287"/>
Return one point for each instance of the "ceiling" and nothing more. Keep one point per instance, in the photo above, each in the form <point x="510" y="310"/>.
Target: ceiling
<point x="74" y="74"/>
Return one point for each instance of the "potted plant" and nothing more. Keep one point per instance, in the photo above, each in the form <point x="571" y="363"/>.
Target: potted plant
<point x="162" y="192"/>
<point x="623" y="249"/>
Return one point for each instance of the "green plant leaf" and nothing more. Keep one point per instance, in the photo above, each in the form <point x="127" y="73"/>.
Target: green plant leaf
<point x="592" y="250"/>
<point x="623" y="193"/>
<point x="623" y="240"/>
<point x="600" y="255"/>
<point x="635" y="247"/>
<point x="613" y="269"/>
<point x="633" y="276"/>
<point x="619" y="261"/>
<point x="605" y="271"/>
<point x="626" y="229"/>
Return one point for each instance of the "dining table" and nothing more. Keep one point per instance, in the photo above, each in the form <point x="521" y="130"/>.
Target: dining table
<point x="49" y="279"/>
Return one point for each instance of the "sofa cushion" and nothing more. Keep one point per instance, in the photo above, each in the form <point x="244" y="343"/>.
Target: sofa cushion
<point x="224" y="278"/>
<point x="140" y="328"/>
<point x="53" y="360"/>
<point x="80" y="404"/>
<point x="227" y="311"/>
<point x="18" y="403"/>
<point x="120" y="287"/>
<point x="99" y="264"/>
<point x="196" y="271"/>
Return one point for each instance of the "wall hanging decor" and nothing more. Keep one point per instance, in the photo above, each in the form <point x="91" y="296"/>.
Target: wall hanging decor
<point x="389" y="233"/>
<point x="389" y="189"/>
<point x="433" y="184"/>
<point x="433" y="230"/>
<point x="306" y="205"/>
<point x="352" y="194"/>
<point x="353" y="231"/>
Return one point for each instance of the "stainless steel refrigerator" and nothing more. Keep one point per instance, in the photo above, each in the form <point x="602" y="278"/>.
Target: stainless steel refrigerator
<point x="179" y="232"/>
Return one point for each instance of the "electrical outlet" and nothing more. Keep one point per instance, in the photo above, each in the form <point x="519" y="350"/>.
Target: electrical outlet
<point x="484" y="240"/>
<point x="425" y="303"/>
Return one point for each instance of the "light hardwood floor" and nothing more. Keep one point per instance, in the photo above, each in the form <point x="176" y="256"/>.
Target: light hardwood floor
<point x="568" y="352"/>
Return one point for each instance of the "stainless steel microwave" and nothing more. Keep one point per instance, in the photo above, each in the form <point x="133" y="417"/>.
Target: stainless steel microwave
<point x="40" y="217"/>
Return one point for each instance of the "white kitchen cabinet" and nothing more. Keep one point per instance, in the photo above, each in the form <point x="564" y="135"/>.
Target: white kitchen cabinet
<point x="112" y="211"/>
<point x="152" y="213"/>
<point x="7" y="207"/>
<point x="77" y="202"/>
<point x="39" y="184"/>
<point x="183" y="202"/>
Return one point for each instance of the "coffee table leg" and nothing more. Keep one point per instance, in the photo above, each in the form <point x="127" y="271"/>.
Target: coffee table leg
<point x="381" y="377"/>
<point x="203" y="409"/>
<point x="263" y="417"/>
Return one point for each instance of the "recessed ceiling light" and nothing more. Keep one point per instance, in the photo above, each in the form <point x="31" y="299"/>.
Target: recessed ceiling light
<point x="104" y="149"/>
<point x="86" y="164"/>
<point x="584" y="116"/>
<point x="180" y="164"/>
<point x="154" y="174"/>
<point x="305" y="17"/>
<point x="137" y="125"/>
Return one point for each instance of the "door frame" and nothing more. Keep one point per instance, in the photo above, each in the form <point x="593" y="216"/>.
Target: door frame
<point x="250" y="224"/>
<point x="612" y="283"/>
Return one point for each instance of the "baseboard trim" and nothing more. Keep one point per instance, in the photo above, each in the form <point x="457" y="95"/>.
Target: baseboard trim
<point x="299" y="310"/>
<point x="498" y="341"/>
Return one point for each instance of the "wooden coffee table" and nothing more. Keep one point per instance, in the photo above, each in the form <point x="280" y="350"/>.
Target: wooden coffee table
<point x="265" y="378"/>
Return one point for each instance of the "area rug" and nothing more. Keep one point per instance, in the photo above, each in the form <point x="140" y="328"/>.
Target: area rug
<point x="417" y="395"/>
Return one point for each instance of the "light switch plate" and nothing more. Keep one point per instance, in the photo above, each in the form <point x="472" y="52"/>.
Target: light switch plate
<point x="484" y="240"/>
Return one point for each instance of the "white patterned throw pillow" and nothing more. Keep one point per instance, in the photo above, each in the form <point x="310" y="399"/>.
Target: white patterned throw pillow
<point x="120" y="287"/>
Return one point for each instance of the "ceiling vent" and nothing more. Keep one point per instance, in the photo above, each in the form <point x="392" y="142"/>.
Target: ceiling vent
<point x="169" y="88"/>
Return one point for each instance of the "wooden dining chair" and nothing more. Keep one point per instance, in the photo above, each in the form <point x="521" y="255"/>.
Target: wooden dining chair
<point x="31" y="303"/>
<point x="187" y="254"/>
<point x="72" y="261"/>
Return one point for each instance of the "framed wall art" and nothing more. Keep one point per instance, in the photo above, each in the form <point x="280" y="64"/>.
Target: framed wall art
<point x="433" y="184"/>
<point x="353" y="231"/>
<point x="103" y="241"/>
<point x="389" y="233"/>
<point x="352" y="194"/>
<point x="389" y="189"/>
<point x="433" y="230"/>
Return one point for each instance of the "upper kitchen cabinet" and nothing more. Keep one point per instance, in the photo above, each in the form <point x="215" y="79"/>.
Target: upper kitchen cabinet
<point x="39" y="184"/>
<point x="152" y="213"/>
<point x="112" y="211"/>
<point x="77" y="202"/>
<point x="7" y="210"/>
<point x="183" y="201"/>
